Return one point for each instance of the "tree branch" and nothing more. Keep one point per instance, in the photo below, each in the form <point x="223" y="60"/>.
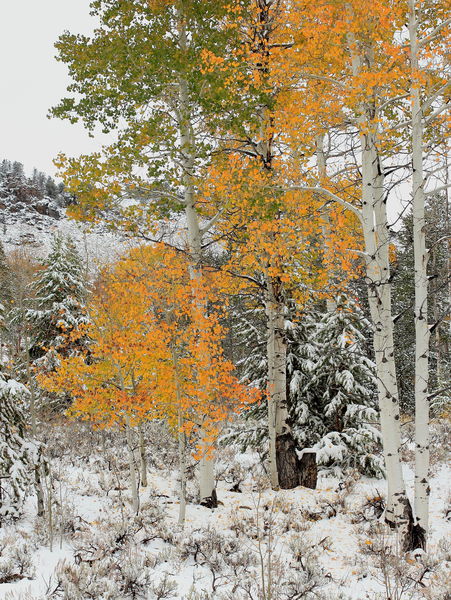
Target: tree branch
<point x="437" y="190"/>
<point x="331" y="195"/>
<point x="434" y="33"/>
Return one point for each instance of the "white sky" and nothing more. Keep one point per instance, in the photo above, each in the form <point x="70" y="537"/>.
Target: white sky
<point x="31" y="81"/>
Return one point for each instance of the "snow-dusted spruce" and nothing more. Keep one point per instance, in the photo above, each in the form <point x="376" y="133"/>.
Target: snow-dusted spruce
<point x="60" y="291"/>
<point x="333" y="394"/>
<point x="331" y="387"/>
<point x="16" y="454"/>
<point x="5" y="294"/>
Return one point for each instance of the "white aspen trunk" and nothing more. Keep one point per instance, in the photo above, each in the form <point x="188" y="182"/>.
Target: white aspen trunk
<point x="422" y="333"/>
<point x="181" y="440"/>
<point x="50" y="510"/>
<point x="283" y="460"/>
<point x="131" y="465"/>
<point x="182" y="468"/>
<point x="322" y="174"/>
<point x="274" y="383"/>
<point x="142" y="456"/>
<point x="398" y="511"/>
<point x="376" y="236"/>
<point x="187" y="147"/>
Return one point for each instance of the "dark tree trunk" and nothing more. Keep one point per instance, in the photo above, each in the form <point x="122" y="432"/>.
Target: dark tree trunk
<point x="308" y="470"/>
<point x="211" y="501"/>
<point x="287" y="462"/>
<point x="418" y="538"/>
<point x="415" y="536"/>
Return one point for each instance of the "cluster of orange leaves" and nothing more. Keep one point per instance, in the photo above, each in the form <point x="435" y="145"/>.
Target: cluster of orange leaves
<point x="155" y="352"/>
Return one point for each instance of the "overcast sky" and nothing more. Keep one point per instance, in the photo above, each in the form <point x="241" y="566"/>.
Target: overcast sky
<point x="31" y="81"/>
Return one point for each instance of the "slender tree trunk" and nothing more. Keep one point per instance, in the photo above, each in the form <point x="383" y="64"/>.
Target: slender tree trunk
<point x="50" y="509"/>
<point x="322" y="175"/>
<point x="142" y="456"/>
<point x="399" y="510"/>
<point x="284" y="464"/>
<point x="376" y="236"/>
<point x="187" y="144"/>
<point x="181" y="439"/>
<point x="37" y="467"/>
<point x="182" y="468"/>
<point x="422" y="334"/>
<point x="132" y="468"/>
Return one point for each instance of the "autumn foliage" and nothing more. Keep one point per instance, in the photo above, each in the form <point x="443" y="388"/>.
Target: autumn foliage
<point x="152" y="354"/>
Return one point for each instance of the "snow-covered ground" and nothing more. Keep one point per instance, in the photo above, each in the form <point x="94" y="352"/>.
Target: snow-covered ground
<point x="327" y="543"/>
<point x="96" y="245"/>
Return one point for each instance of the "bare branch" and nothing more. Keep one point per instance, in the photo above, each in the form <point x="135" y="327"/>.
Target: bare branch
<point x="434" y="97"/>
<point x="439" y="189"/>
<point x="212" y="221"/>
<point x="437" y="112"/>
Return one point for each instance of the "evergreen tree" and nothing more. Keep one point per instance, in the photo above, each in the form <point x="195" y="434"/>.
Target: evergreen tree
<point x="50" y="187"/>
<point x="6" y="283"/>
<point x="16" y="454"/>
<point x="60" y="304"/>
<point x="6" y="296"/>
<point x="334" y="398"/>
<point x="252" y="366"/>
<point x="331" y="389"/>
<point x="437" y="233"/>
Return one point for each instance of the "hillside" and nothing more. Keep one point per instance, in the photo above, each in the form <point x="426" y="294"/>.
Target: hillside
<point x="33" y="208"/>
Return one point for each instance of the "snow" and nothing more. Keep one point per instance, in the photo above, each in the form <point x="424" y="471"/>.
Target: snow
<point x="333" y="536"/>
<point x="96" y="246"/>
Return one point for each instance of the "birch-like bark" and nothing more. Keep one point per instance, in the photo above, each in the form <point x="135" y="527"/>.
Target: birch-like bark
<point x="422" y="333"/>
<point x="398" y="511"/>
<point x="277" y="357"/>
<point x="182" y="468"/>
<point x="187" y="150"/>
<point x="181" y="439"/>
<point x="131" y="465"/>
<point x="142" y="456"/>
<point x="376" y="237"/>
<point x="284" y="464"/>
<point x="322" y="176"/>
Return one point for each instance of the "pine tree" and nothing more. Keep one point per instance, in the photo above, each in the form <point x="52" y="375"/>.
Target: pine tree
<point x="331" y="389"/>
<point x="340" y="395"/>
<point x="5" y="290"/>
<point x="60" y="310"/>
<point x="16" y="454"/>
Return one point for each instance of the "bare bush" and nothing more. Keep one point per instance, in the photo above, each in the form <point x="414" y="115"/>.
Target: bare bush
<point x="16" y="561"/>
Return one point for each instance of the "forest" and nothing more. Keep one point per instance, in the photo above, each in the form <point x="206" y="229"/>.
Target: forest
<point x="249" y="397"/>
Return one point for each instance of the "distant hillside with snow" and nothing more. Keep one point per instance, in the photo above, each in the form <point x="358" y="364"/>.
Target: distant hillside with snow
<point x="33" y="208"/>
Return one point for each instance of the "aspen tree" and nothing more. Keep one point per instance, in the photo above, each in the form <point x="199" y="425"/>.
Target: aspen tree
<point x="426" y="90"/>
<point x="143" y="65"/>
<point x="362" y="47"/>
